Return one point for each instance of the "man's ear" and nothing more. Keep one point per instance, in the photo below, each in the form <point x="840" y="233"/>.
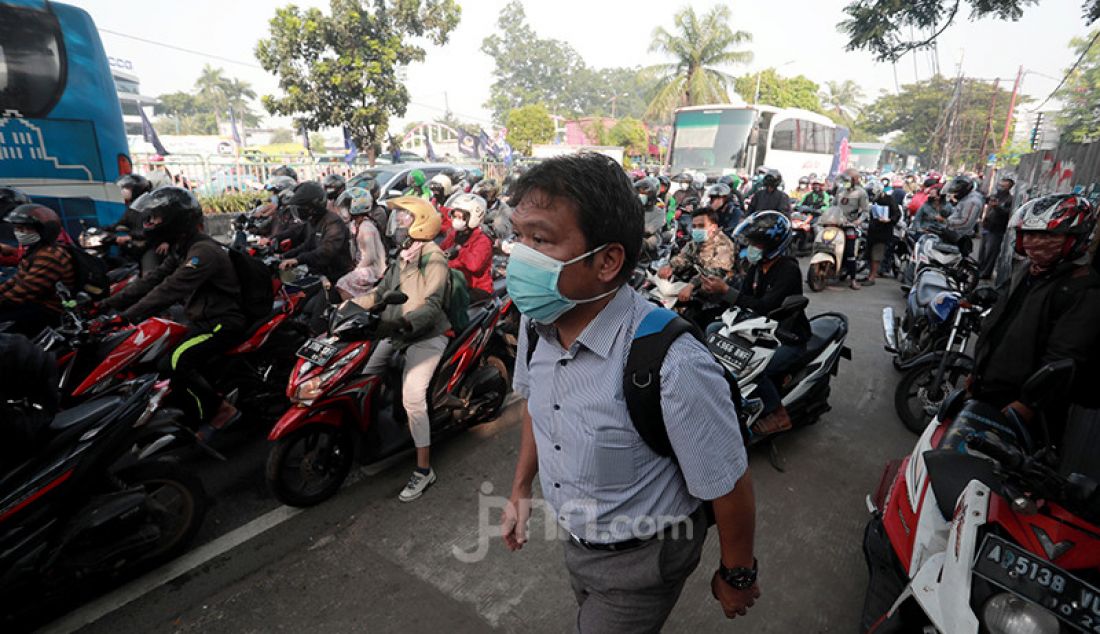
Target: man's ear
<point x="610" y="262"/>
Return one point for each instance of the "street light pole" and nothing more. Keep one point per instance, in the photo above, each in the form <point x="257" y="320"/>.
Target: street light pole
<point x="756" y="96"/>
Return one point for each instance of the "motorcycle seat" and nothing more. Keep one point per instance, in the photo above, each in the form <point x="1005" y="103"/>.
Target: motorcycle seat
<point x="930" y="284"/>
<point x="824" y="330"/>
<point x="943" y="247"/>
<point x="478" y="314"/>
<point x="86" y="412"/>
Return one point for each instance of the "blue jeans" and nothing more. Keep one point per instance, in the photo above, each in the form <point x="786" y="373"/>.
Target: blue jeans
<point x="767" y="386"/>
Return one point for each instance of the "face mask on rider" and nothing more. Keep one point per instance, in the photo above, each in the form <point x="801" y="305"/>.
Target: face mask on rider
<point x="458" y="224"/>
<point x="1044" y="251"/>
<point x="533" y="284"/>
<point x="644" y="198"/>
<point x="699" y="235"/>
<point x="27" y="238"/>
<point x="754" y="254"/>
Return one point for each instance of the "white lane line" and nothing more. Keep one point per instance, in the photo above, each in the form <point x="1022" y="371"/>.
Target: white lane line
<point x="92" y="612"/>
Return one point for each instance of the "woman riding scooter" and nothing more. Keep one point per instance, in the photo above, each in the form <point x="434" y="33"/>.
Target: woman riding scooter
<point x="416" y="328"/>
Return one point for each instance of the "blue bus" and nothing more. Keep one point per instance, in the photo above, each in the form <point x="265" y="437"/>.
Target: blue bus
<point x="62" y="139"/>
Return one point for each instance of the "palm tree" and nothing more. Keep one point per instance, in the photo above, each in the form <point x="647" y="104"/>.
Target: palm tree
<point x="843" y="98"/>
<point x="699" y="45"/>
<point x="211" y="87"/>
<point x="237" y="94"/>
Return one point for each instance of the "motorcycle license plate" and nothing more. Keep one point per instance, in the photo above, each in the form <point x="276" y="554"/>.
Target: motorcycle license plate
<point x="729" y="352"/>
<point x="1039" y="581"/>
<point x="316" y="352"/>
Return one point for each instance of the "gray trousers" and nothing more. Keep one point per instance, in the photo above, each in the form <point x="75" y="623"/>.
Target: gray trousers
<point x="633" y="591"/>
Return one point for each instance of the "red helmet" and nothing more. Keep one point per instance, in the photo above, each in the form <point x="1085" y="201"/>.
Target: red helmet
<point x="1060" y="214"/>
<point x="38" y="217"/>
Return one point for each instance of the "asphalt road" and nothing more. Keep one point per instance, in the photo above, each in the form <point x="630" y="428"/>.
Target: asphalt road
<point x="366" y="562"/>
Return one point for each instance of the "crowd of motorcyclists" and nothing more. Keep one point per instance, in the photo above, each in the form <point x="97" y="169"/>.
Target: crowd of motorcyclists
<point x="727" y="240"/>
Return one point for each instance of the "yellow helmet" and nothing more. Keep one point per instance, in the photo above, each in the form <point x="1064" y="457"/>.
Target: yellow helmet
<point x="426" y="220"/>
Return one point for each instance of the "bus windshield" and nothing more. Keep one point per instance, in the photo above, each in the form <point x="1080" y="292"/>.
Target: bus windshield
<point x="712" y="140"/>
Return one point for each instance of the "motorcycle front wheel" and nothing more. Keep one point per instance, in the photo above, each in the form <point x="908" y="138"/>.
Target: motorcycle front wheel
<point x="917" y="398"/>
<point x="308" y="466"/>
<point x="817" y="278"/>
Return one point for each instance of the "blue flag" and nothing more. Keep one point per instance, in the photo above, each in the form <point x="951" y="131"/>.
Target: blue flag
<point x="487" y="146"/>
<point x="149" y="134"/>
<point x="428" y="144"/>
<point x="349" y="145"/>
<point x="506" y="151"/>
<point x="467" y="144"/>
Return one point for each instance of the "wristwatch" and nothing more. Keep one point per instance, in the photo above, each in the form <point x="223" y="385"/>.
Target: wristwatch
<point x="738" y="578"/>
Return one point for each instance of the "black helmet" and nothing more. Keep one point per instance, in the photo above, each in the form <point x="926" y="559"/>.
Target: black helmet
<point x="38" y="217"/>
<point x="137" y="184"/>
<point x="10" y="198"/>
<point x="718" y="190"/>
<point x="648" y="185"/>
<point x="487" y="189"/>
<point x="285" y="170"/>
<point x="664" y="182"/>
<point x="279" y="184"/>
<point x="334" y="186"/>
<point x="684" y="178"/>
<point x="773" y="179"/>
<point x="454" y="173"/>
<point x="310" y="197"/>
<point x="961" y="186"/>
<point x="770" y="230"/>
<point x="178" y="210"/>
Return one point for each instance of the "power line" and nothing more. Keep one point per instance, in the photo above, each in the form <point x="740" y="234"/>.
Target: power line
<point x="181" y="49"/>
<point x="1069" y="72"/>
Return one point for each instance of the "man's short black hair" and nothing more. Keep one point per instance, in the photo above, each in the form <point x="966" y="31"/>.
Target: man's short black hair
<point x="608" y="211"/>
<point x="705" y="211"/>
<point x="1011" y="183"/>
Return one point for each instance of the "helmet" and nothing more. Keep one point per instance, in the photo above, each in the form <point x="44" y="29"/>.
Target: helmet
<point x="356" y="200"/>
<point x="441" y="183"/>
<point x="309" y="196"/>
<point x="804" y="181"/>
<point x="817" y="180"/>
<point x="961" y="186"/>
<point x="334" y="186"/>
<point x="844" y="180"/>
<point x="771" y="230"/>
<point x="456" y="174"/>
<point x="416" y="178"/>
<point x="773" y="179"/>
<point x="664" y="182"/>
<point x="684" y="178"/>
<point x="136" y="183"/>
<point x="473" y="205"/>
<point x="699" y="181"/>
<point x="474" y="176"/>
<point x="285" y="170"/>
<point x="718" y="190"/>
<point x="648" y="185"/>
<point x="1059" y="214"/>
<point x="487" y="189"/>
<point x="178" y="210"/>
<point x="10" y="198"/>
<point x="279" y="184"/>
<point x="38" y="217"/>
<point x="426" y="221"/>
<point x="875" y="189"/>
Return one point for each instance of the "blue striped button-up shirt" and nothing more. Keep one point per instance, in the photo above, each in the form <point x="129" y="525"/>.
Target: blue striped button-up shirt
<point x="602" y="480"/>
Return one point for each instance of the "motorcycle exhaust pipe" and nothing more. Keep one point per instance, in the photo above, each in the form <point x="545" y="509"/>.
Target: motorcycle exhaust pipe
<point x="889" y="329"/>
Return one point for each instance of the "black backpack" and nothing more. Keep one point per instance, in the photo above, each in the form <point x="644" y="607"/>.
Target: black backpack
<point x="658" y="330"/>
<point x="257" y="294"/>
<point x="89" y="273"/>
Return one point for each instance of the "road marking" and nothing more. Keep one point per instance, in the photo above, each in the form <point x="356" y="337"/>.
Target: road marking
<point x="92" y="612"/>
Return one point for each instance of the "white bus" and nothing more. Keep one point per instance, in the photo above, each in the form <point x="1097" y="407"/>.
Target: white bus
<point x="723" y="139"/>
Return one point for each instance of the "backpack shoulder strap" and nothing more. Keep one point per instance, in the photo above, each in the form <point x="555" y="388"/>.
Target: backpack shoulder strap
<point x="642" y="376"/>
<point x="532" y="341"/>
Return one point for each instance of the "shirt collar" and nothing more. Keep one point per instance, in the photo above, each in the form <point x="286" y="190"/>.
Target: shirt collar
<point x="599" y="335"/>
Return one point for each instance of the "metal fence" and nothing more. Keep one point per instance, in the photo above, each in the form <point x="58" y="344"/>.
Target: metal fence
<point x="1071" y="167"/>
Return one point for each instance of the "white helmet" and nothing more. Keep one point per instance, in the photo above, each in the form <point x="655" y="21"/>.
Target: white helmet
<point x="473" y="205"/>
<point x="444" y="182"/>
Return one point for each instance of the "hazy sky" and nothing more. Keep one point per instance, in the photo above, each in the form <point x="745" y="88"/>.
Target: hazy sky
<point x="604" y="33"/>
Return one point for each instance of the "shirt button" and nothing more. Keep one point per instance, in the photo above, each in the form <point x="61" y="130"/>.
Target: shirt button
<point x="557" y="407"/>
<point x="563" y="362"/>
<point x="557" y="447"/>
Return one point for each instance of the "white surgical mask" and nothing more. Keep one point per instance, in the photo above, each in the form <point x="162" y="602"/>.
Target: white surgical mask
<point x="458" y="224"/>
<point x="27" y="238"/>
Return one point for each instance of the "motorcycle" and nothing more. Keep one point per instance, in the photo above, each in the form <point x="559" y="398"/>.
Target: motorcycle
<point x="931" y="376"/>
<point x="827" y="261"/>
<point x="339" y="413"/>
<point x="979" y="531"/>
<point x="85" y="510"/>
<point x="945" y="249"/>
<point x="747" y="342"/>
<point x="802" y="224"/>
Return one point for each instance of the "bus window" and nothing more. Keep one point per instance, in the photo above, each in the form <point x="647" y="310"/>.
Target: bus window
<point x="30" y="61"/>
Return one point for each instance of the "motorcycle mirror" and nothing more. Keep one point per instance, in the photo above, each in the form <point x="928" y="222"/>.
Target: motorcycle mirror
<point x="393" y="298"/>
<point x="1048" y="382"/>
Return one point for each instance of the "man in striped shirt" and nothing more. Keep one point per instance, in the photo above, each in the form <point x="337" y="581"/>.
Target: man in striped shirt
<point x="29" y="299"/>
<point x="634" y="519"/>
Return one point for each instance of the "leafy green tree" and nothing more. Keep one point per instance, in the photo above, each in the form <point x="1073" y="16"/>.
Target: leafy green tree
<point x="630" y="133"/>
<point x="698" y="47"/>
<point x="597" y="131"/>
<point x="843" y="98"/>
<point x="340" y="69"/>
<point x="1080" y="116"/>
<point x="282" y="135"/>
<point x="317" y="142"/>
<point x="929" y="119"/>
<point x="782" y="92"/>
<point x="879" y="26"/>
<point x="529" y="125"/>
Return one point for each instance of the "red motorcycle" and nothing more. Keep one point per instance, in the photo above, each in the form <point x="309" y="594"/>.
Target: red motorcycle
<point x="339" y="412"/>
<point x="979" y="529"/>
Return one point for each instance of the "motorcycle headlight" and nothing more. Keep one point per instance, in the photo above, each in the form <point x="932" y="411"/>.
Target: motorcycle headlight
<point x="1009" y="614"/>
<point x="308" y="390"/>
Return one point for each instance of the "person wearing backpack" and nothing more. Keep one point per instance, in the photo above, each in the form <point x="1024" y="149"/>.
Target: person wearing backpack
<point x="625" y="458"/>
<point x="199" y="273"/>
<point x="416" y="329"/>
<point x="468" y="249"/>
<point x="29" y="298"/>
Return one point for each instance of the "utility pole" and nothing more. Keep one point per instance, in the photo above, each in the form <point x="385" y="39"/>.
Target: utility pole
<point x="1012" y="107"/>
<point x="989" y="120"/>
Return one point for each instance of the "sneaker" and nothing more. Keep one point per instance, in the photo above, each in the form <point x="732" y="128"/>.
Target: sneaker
<point x="854" y="285"/>
<point x="416" y="486"/>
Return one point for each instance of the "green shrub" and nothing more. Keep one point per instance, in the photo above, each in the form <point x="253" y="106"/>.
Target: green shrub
<point x="231" y="202"/>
